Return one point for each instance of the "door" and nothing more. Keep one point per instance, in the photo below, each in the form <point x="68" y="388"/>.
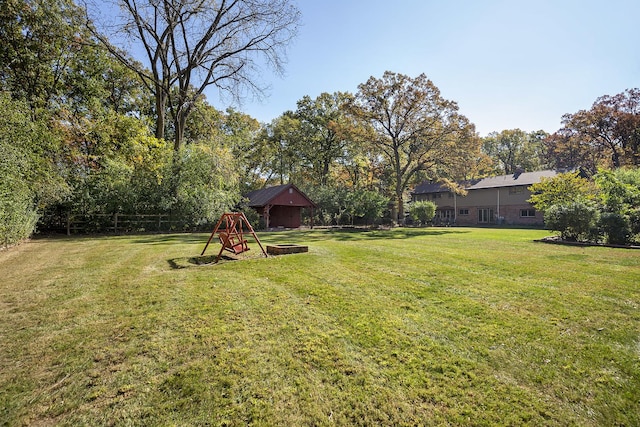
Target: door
<point x="485" y="216"/>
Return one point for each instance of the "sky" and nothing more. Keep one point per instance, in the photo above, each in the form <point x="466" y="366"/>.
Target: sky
<point x="507" y="63"/>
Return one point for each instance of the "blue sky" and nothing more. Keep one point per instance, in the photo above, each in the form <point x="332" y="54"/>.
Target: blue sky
<point x="507" y="63"/>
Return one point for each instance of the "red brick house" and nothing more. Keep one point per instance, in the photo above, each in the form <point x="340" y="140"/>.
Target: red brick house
<point x="281" y="205"/>
<point x="495" y="200"/>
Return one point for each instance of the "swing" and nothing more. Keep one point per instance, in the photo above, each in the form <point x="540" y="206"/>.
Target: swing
<point x="230" y="230"/>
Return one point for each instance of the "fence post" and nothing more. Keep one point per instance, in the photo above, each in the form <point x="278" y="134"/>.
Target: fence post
<point x="115" y="223"/>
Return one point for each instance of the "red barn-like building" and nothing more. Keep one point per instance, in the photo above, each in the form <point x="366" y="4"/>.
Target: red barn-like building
<point x="281" y="205"/>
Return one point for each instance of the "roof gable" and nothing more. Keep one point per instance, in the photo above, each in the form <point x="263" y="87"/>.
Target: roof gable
<point x="277" y="194"/>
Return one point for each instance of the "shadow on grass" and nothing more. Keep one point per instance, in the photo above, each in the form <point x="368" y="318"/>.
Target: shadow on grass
<point x="186" y="262"/>
<point x="184" y="238"/>
<point x="395" y="233"/>
<point x="299" y="236"/>
<point x="276" y="236"/>
<point x="352" y="234"/>
<point x="146" y="238"/>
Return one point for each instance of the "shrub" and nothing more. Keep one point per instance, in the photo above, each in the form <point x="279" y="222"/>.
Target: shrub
<point x="256" y="220"/>
<point x="28" y="180"/>
<point x="331" y="204"/>
<point x="18" y="217"/>
<point x="575" y="221"/>
<point x="634" y="223"/>
<point x="615" y="227"/>
<point x="422" y="212"/>
<point x="366" y="205"/>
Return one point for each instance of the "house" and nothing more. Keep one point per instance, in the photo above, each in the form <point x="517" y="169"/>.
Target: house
<point x="281" y="205"/>
<point x="495" y="200"/>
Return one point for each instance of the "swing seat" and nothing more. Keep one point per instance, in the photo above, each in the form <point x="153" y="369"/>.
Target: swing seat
<point x="232" y="244"/>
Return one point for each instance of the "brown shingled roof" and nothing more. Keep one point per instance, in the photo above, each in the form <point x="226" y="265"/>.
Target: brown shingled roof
<point x="524" y="178"/>
<point x="512" y="180"/>
<point x="260" y="198"/>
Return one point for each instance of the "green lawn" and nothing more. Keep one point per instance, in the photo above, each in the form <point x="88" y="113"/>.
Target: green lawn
<point x="436" y="326"/>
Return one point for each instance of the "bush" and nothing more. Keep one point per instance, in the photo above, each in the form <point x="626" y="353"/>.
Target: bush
<point x="575" y="221"/>
<point x="331" y="203"/>
<point x="615" y="227"/>
<point x="366" y="205"/>
<point x="204" y="185"/>
<point x="18" y="217"/>
<point x="256" y="220"/>
<point x="634" y="222"/>
<point x="27" y="179"/>
<point x="422" y="212"/>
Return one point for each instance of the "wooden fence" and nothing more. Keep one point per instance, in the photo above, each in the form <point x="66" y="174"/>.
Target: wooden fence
<point x="119" y="224"/>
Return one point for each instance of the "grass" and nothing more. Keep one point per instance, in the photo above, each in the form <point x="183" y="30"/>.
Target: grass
<point x="455" y="326"/>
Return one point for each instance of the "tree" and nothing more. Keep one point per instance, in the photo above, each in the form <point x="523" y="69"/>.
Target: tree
<point x="191" y="45"/>
<point x="611" y="128"/>
<point x="515" y="149"/>
<point x="39" y="41"/>
<point x="331" y="203"/>
<point x="415" y="128"/>
<point x="238" y="133"/>
<point x="565" y="149"/>
<point x="242" y="135"/>
<point x="324" y="132"/>
<point x="561" y="190"/>
<point x="283" y="136"/>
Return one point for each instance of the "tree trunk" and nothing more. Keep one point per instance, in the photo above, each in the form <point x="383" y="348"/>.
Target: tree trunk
<point x="399" y="186"/>
<point x="400" y="207"/>
<point x="180" y="123"/>
<point x="161" y="104"/>
<point x="325" y="171"/>
<point x="615" y="157"/>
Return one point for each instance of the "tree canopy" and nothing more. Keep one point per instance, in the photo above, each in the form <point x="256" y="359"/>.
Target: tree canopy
<point x="606" y="135"/>
<point x="415" y="128"/>
<point x="514" y="149"/>
<point x="190" y="45"/>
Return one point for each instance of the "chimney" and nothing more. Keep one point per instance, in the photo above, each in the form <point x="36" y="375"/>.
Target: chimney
<point x="518" y="172"/>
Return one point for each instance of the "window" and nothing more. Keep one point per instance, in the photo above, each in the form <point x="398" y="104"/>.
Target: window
<point x="463" y="212"/>
<point x="527" y="213"/>
<point x="516" y="190"/>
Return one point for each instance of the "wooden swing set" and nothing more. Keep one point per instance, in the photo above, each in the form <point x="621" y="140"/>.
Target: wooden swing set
<point x="230" y="230"/>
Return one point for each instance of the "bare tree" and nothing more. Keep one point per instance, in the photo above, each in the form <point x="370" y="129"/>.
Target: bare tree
<point x="191" y="45"/>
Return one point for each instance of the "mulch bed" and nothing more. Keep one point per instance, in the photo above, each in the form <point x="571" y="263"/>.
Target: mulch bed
<point x="556" y="240"/>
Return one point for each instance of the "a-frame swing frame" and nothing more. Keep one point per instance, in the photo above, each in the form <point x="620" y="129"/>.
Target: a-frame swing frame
<point x="230" y="229"/>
